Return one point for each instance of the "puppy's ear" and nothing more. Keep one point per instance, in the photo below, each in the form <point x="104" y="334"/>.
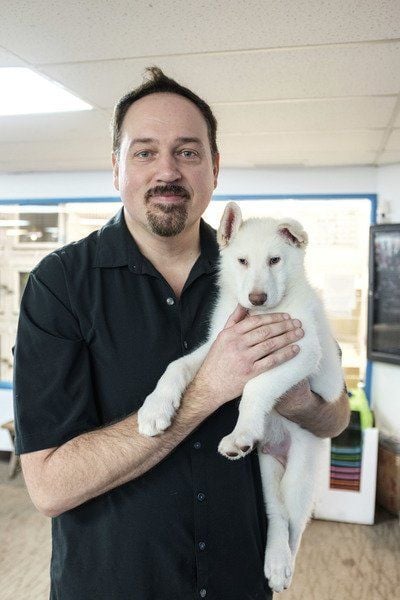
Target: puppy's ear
<point x="229" y="225"/>
<point x="292" y="232"/>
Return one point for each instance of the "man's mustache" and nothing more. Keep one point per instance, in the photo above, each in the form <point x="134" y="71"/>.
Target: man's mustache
<point x="162" y="190"/>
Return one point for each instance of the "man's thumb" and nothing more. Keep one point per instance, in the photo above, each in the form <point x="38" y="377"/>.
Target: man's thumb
<point x="238" y="315"/>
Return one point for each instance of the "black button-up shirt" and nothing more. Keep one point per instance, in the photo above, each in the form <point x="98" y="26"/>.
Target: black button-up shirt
<point x="98" y="326"/>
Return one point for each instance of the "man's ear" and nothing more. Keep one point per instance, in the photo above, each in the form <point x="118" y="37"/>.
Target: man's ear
<point x="216" y="169"/>
<point x="229" y="225"/>
<point x="115" y="166"/>
<point x="292" y="232"/>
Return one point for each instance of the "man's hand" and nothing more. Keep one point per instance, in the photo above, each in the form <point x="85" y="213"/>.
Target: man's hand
<point x="310" y="411"/>
<point x="246" y="347"/>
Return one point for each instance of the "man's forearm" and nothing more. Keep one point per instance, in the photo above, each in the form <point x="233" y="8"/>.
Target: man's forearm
<point x="98" y="461"/>
<point x="323" y="419"/>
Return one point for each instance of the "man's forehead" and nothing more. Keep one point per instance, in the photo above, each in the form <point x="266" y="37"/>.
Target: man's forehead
<point x="177" y="141"/>
<point x="164" y="110"/>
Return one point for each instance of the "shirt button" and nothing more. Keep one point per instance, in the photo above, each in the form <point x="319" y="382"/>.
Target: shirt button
<point x="197" y="445"/>
<point x="170" y="301"/>
<point x="203" y="593"/>
<point x="185" y="344"/>
<point x="202" y="545"/>
<point x="201" y="496"/>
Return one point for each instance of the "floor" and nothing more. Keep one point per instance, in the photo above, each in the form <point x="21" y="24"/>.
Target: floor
<point x="337" y="561"/>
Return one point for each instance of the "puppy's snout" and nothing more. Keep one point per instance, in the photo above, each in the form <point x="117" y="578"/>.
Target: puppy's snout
<point x="257" y="299"/>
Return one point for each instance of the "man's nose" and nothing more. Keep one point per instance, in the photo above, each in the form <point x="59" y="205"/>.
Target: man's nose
<point x="167" y="169"/>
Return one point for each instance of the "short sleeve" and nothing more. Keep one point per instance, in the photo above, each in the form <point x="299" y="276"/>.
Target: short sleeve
<point x="53" y="391"/>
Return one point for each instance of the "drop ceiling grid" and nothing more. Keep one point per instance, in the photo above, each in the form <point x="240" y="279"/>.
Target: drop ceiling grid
<point x="7" y="59"/>
<point x="389" y="158"/>
<point x="56" y="127"/>
<point x="357" y="70"/>
<point x="393" y="142"/>
<point x="321" y="102"/>
<point x="54" y="164"/>
<point x="302" y="115"/>
<point x="306" y="141"/>
<point x="275" y="159"/>
<point x="93" y="148"/>
<point x="52" y="31"/>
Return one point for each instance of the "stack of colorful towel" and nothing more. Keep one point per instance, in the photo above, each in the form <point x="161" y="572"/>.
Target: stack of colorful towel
<point x="346" y="452"/>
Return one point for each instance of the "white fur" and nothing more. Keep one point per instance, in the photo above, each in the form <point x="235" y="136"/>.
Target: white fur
<point x="288" y="492"/>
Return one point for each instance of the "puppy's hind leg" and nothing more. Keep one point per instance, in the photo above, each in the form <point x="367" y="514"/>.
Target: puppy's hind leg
<point x="298" y="484"/>
<point x="278" y="557"/>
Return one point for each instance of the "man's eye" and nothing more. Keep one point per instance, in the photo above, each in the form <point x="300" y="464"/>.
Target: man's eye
<point x="188" y="153"/>
<point x="143" y="154"/>
<point x="274" y="260"/>
<point x="243" y="261"/>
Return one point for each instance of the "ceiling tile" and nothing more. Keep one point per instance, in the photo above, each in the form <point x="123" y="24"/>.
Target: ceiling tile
<point x="7" y="59"/>
<point x="355" y="70"/>
<point x="51" y="31"/>
<point x="283" y="87"/>
<point x="301" y="115"/>
<point x="57" y="127"/>
<point x="393" y="142"/>
<point x="43" y="164"/>
<point x="24" y="154"/>
<point x="300" y="142"/>
<point x="305" y="158"/>
<point x="389" y="157"/>
<point x="340" y="159"/>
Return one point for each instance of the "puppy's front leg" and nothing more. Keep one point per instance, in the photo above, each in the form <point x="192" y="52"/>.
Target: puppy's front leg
<point x="259" y="397"/>
<point x="256" y="402"/>
<point x="158" y="409"/>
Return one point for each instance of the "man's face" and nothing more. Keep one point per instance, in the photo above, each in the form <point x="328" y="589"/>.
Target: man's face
<point x="165" y="172"/>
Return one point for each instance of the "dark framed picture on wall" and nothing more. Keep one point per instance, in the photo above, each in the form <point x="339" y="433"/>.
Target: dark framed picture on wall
<point x="384" y="293"/>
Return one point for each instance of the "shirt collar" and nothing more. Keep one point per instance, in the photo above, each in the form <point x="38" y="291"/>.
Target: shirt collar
<point x="116" y="246"/>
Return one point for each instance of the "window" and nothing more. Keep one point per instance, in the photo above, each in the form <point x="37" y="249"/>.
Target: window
<point x="23" y="278"/>
<point x="40" y="227"/>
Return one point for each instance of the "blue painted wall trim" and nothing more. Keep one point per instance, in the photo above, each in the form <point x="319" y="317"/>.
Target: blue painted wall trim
<point x="216" y="197"/>
<point x="5" y="385"/>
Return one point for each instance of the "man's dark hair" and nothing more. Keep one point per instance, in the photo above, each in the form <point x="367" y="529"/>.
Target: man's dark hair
<point x="154" y="83"/>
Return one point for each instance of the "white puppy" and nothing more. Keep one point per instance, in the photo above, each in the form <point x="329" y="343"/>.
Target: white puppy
<point x="262" y="268"/>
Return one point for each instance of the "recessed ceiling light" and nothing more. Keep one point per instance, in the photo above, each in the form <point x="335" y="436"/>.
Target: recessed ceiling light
<point x="24" y="92"/>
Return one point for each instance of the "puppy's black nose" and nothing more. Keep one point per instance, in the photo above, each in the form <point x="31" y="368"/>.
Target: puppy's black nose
<point x="257" y="299"/>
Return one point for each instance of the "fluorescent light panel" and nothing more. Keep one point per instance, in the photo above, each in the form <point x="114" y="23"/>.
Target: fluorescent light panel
<point x="24" y="92"/>
<point x="13" y="222"/>
<point x="30" y="208"/>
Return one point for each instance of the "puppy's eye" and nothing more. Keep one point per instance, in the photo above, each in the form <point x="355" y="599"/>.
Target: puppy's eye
<point x="274" y="260"/>
<point x="243" y="261"/>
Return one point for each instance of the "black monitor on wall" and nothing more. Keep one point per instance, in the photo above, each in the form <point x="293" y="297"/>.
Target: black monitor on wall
<point x="384" y="294"/>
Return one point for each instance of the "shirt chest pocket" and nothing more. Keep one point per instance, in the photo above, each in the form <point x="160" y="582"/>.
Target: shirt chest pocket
<point x="126" y="367"/>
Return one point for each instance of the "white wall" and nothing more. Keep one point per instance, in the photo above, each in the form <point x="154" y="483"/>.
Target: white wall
<point x="386" y="377"/>
<point x="56" y="185"/>
<point x="388" y="188"/>
<point x="6" y="414"/>
<point x="332" y="180"/>
<point x="340" y="180"/>
<point x="385" y="181"/>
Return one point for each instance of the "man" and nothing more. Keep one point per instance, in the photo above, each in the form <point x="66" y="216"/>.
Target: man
<point x="136" y="518"/>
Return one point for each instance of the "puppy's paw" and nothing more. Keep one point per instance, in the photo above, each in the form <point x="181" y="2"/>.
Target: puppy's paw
<point x="237" y="444"/>
<point x="278" y="567"/>
<point x="156" y="414"/>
